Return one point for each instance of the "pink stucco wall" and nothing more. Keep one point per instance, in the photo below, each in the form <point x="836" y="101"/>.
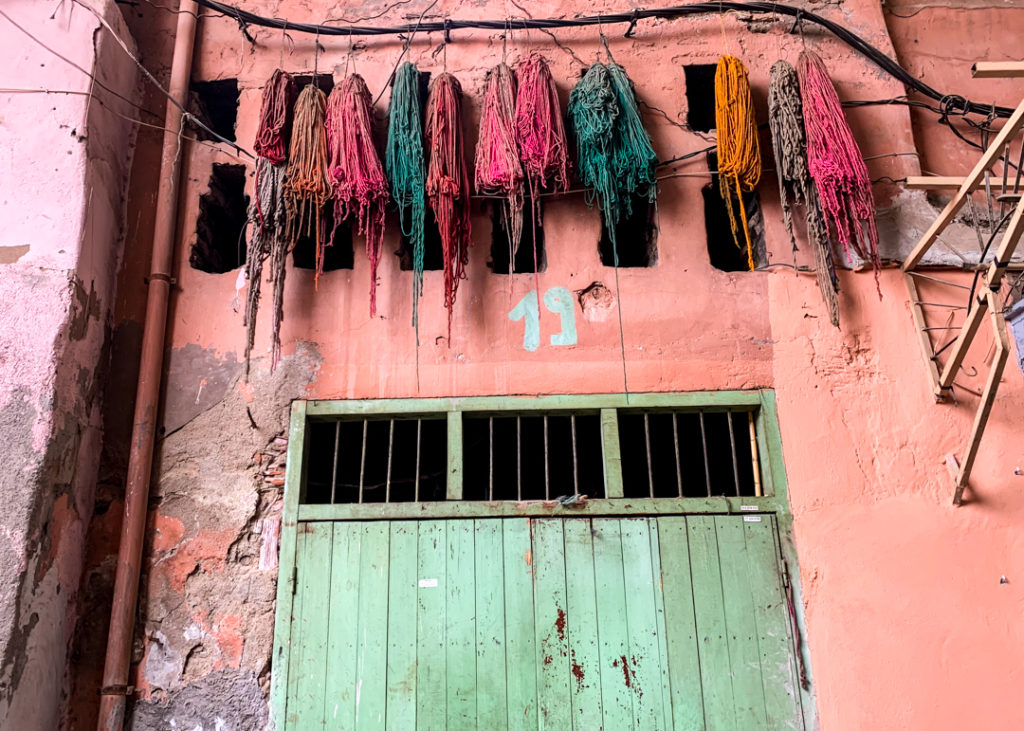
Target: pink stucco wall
<point x="907" y="621"/>
<point x="64" y="161"/>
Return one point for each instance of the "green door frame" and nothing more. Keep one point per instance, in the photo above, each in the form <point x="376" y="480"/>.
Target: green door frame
<point x="769" y="445"/>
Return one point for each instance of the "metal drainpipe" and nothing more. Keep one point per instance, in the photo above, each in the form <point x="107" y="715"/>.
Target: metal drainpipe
<point x="114" y="692"/>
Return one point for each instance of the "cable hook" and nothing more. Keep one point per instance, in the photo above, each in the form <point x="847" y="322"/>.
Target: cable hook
<point x="632" y="25"/>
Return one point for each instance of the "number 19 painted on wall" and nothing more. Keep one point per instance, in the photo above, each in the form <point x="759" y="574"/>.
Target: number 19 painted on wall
<point x="557" y="300"/>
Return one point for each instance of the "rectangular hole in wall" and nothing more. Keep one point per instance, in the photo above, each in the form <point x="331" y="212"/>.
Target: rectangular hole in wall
<point x="677" y="443"/>
<point x="337" y="255"/>
<point x="636" y="236"/>
<point x="523" y="259"/>
<point x="215" y="104"/>
<point x="522" y="468"/>
<point x="700" y="96"/>
<point x="220" y="228"/>
<point x="722" y="249"/>
<point x="336" y="458"/>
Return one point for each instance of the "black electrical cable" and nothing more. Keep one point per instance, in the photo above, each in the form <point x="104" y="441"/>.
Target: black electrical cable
<point x="948" y="101"/>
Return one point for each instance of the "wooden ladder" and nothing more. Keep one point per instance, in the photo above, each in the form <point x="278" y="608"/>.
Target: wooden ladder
<point x="985" y="300"/>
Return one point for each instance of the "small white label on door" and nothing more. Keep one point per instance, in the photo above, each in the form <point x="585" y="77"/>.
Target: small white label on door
<point x="751" y="518"/>
<point x="748" y="507"/>
<point x="430" y="583"/>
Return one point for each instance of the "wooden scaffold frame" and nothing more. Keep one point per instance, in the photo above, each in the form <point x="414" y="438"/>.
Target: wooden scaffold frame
<point x="985" y="300"/>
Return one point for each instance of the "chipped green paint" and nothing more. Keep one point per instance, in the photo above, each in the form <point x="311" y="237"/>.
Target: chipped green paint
<point x="542" y="624"/>
<point x="627" y="613"/>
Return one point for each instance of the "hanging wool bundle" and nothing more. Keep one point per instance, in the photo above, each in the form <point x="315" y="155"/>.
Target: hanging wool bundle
<point x="539" y="129"/>
<point x="634" y="159"/>
<point x="498" y="170"/>
<point x="267" y="211"/>
<point x="616" y="158"/>
<point x="357" y="177"/>
<point x="836" y="164"/>
<point x="448" y="181"/>
<point x="785" y="117"/>
<point x="593" y="111"/>
<point x="406" y="169"/>
<point x="739" y="154"/>
<point x="308" y="187"/>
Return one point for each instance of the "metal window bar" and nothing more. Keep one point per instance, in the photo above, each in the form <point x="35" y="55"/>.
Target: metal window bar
<point x="362" y="460"/>
<point x="704" y="443"/>
<point x="575" y="461"/>
<point x="391" y="447"/>
<point x="547" y="464"/>
<point x="732" y="445"/>
<point x="647" y="442"/>
<point x="416" y="478"/>
<point x="334" y="464"/>
<point x="675" y="442"/>
<point x="519" y="458"/>
<point x="490" y="460"/>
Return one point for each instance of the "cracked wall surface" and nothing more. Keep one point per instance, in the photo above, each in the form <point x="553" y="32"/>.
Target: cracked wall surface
<point x="889" y="569"/>
<point x="66" y="154"/>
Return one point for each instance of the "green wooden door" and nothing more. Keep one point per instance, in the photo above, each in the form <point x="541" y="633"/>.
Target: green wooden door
<point x="675" y="622"/>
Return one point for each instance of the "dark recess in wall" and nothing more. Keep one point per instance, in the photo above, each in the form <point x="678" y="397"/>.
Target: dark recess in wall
<point x="337" y="255"/>
<point x="523" y="260"/>
<point x="220" y="228"/>
<point x="722" y="249"/>
<point x="636" y="236"/>
<point x="694" y="443"/>
<point x="215" y="103"/>
<point x="700" y="96"/>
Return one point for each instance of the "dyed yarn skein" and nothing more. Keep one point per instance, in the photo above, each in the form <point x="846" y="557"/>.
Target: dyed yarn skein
<point x="357" y="177"/>
<point x="836" y="164"/>
<point x="739" y="153"/>
<point x="267" y="217"/>
<point x="539" y="129"/>
<point x="308" y="186"/>
<point x="497" y="167"/>
<point x="448" y="182"/>
<point x="404" y="160"/>
<point x="785" y="118"/>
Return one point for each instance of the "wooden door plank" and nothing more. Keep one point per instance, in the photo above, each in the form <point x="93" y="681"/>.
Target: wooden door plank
<point x="283" y="616"/>
<point x="371" y="634"/>
<point x="306" y="687"/>
<point x="491" y="712"/>
<point x="553" y="668"/>
<point x="613" y="638"/>
<point x="709" y="610"/>
<point x="659" y="609"/>
<point x="775" y="641"/>
<point x="581" y="625"/>
<point x="520" y="633"/>
<point x="339" y="697"/>
<point x="680" y="624"/>
<point x="401" y="690"/>
<point x="460" y="626"/>
<point x="642" y="624"/>
<point x="430" y="625"/>
<point x="741" y="627"/>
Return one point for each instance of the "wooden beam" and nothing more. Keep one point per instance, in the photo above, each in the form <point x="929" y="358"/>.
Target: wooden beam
<point x="963" y="341"/>
<point x="936" y="182"/>
<point x="612" y="456"/>
<point x="1011" y="237"/>
<point x="995" y="150"/>
<point x="917" y="312"/>
<point x="454" y="481"/>
<point x="998" y="70"/>
<point x="988" y="396"/>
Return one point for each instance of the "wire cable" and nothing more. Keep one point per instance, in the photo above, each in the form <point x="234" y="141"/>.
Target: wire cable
<point x="891" y="67"/>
